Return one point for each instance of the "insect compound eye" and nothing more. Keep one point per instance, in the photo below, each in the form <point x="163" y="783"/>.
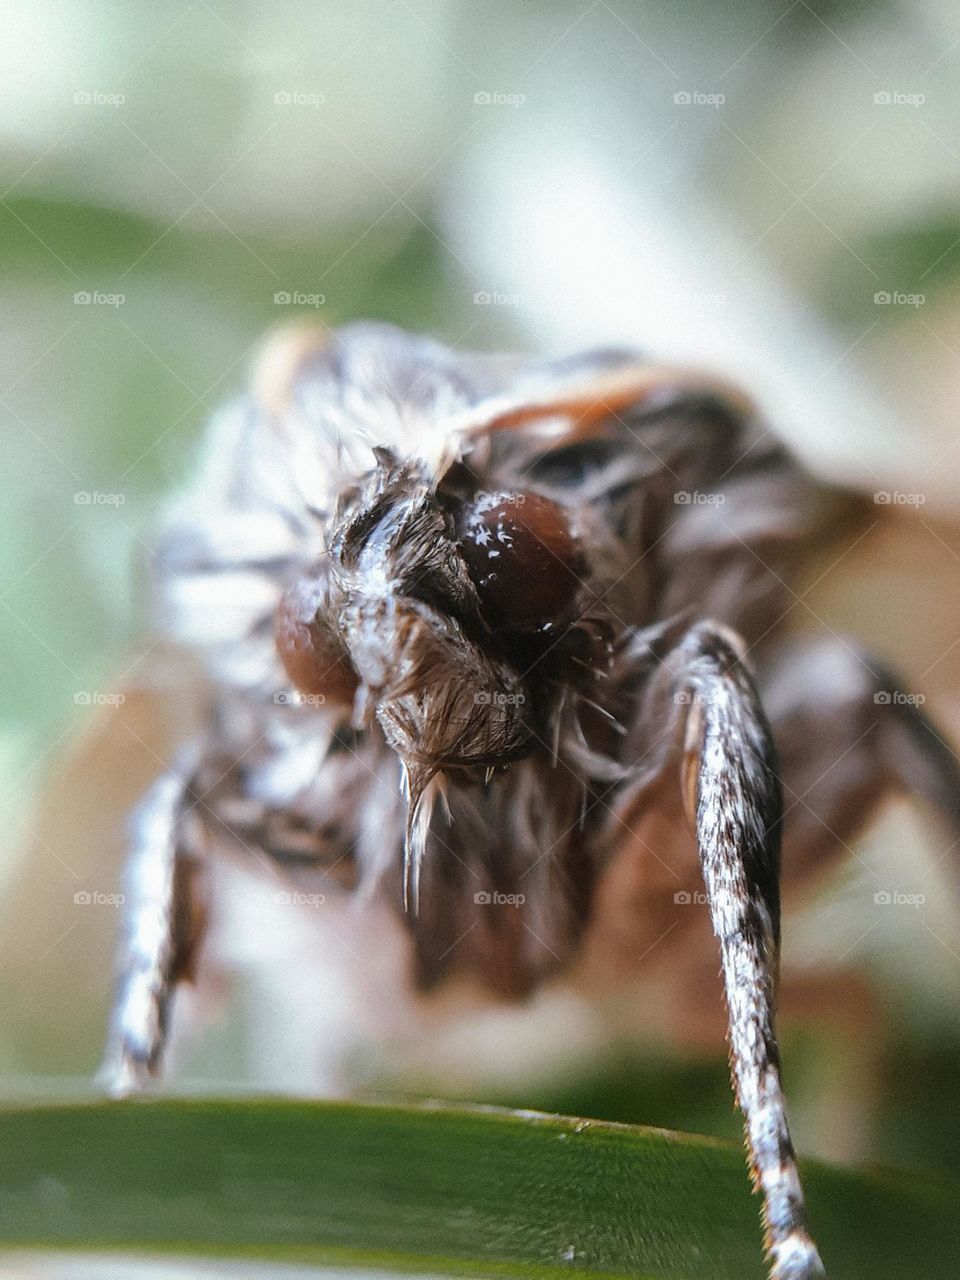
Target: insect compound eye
<point x="312" y="653"/>
<point x="522" y="557"/>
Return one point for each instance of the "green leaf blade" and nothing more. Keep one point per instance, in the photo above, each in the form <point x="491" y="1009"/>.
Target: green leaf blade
<point x="439" y="1190"/>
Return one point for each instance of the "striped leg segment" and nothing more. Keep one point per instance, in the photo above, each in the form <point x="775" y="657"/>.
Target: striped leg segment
<point x="732" y="793"/>
<point x="161" y="930"/>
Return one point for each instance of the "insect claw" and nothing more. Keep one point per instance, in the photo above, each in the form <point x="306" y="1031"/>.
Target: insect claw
<point x="122" y="1075"/>
<point x="612" y="719"/>
<point x="597" y="672"/>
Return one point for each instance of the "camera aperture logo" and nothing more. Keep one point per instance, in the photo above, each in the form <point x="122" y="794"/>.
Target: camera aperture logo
<point x="690" y="698"/>
<point x="97" y="98"/>
<point x="294" y="898"/>
<point x="898" y="298"/>
<point x="94" y="698"/>
<point x="98" y="298"/>
<point x="697" y="98"/>
<point x="894" y="898"/>
<point x="493" y="898"/>
<point x="696" y="498"/>
<point x="897" y="98"/>
<point x="296" y="98"/>
<point x="294" y="698"/>
<point x="94" y="498"/>
<point x="496" y="98"/>
<point x="898" y="698"/>
<point x="486" y="498"/>
<point x="690" y="898"/>
<point x="497" y="698"/>
<point x="896" y="498"/>
<point x="298" y="298"/>
<point x="94" y="898"/>
<point x="496" y="298"/>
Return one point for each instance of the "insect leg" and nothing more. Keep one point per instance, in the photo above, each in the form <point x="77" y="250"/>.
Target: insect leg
<point x="916" y="753"/>
<point x="732" y="793"/>
<point x="873" y="739"/>
<point x="161" y="930"/>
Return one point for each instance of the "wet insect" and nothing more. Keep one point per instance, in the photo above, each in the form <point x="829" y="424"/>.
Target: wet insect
<point x="498" y="646"/>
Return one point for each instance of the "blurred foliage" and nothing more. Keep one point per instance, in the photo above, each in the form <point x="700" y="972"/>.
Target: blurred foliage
<point x="131" y="389"/>
<point x="920" y="258"/>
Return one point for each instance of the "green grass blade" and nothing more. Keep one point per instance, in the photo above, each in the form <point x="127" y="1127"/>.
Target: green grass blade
<point x="481" y="1192"/>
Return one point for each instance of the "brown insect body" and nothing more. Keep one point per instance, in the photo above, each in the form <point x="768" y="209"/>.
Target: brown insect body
<point x="530" y="613"/>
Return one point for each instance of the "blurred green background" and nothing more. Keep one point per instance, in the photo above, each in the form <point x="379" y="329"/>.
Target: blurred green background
<point x="773" y="189"/>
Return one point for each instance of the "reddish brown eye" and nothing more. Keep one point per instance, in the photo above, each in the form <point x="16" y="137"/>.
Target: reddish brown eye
<point x="310" y="650"/>
<point x="522" y="558"/>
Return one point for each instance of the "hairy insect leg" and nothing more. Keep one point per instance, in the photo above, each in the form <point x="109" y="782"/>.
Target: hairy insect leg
<point x="162" y="928"/>
<point x="872" y="738"/>
<point x="732" y="794"/>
